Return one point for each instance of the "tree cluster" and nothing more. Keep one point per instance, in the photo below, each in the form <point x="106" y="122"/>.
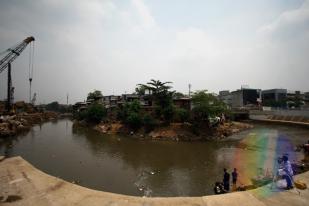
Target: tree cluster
<point x="56" y="107"/>
<point x="204" y="107"/>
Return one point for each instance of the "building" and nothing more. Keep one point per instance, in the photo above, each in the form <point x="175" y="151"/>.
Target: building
<point x="111" y="101"/>
<point x="226" y="97"/>
<point x="130" y="97"/>
<point x="306" y="97"/>
<point x="296" y="99"/>
<point x="79" y="106"/>
<point x="245" y="97"/>
<point x="183" y="102"/>
<point x="274" y="97"/>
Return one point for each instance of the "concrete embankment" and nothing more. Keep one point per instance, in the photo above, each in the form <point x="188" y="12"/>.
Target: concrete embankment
<point x="282" y="119"/>
<point x="22" y="184"/>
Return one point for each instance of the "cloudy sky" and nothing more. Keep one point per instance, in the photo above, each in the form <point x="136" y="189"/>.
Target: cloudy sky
<point x="112" y="45"/>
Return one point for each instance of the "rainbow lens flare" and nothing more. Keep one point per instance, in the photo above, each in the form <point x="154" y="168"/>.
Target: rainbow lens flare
<point x="257" y="158"/>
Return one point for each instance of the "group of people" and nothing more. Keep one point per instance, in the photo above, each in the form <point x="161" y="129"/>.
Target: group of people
<point x="285" y="171"/>
<point x="224" y="186"/>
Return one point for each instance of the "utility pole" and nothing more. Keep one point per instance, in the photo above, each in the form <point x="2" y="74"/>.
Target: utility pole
<point x="189" y="90"/>
<point x="8" y="103"/>
<point x="67" y="99"/>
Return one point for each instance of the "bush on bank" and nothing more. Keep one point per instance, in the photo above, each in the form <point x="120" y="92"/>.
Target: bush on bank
<point x="95" y="113"/>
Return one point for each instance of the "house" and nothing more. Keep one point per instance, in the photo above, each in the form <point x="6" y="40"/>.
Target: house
<point x="129" y="97"/>
<point x="79" y="106"/>
<point x="183" y="102"/>
<point x="111" y="101"/>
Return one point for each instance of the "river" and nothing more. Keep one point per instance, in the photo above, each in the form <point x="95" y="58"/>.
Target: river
<point x="131" y="166"/>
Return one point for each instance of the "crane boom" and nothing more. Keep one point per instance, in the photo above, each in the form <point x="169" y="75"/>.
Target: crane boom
<point x="14" y="53"/>
<point x="5" y="62"/>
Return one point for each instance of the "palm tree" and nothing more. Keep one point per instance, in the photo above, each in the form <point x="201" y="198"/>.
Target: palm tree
<point x="156" y="86"/>
<point x="162" y="97"/>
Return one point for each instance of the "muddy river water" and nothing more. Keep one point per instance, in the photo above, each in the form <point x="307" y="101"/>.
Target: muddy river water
<point x="131" y="166"/>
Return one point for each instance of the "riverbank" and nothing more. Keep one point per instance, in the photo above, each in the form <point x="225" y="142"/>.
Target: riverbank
<point x="281" y="119"/>
<point x="14" y="124"/>
<point x="176" y="131"/>
<point x="23" y="184"/>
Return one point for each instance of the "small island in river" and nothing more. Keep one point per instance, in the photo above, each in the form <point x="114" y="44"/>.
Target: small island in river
<point x="156" y="112"/>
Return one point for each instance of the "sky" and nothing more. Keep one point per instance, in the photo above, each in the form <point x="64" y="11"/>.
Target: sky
<point x="113" y="45"/>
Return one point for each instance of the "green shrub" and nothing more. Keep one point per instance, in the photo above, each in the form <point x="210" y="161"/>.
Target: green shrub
<point x="149" y="123"/>
<point x="168" y="114"/>
<point x="82" y="115"/>
<point x="134" y="120"/>
<point x="181" y="115"/>
<point x="95" y="113"/>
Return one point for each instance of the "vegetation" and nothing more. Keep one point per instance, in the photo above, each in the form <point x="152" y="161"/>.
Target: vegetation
<point x="181" y="115"/>
<point x="205" y="107"/>
<point x="95" y="95"/>
<point x="178" y="95"/>
<point x="149" y="123"/>
<point x="95" y="113"/>
<point x="56" y="107"/>
<point x="53" y="106"/>
<point x="140" y="90"/>
<point x="131" y="115"/>
<point x="162" y="97"/>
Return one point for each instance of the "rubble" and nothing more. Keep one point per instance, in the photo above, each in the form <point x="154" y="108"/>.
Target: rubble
<point x="11" y="125"/>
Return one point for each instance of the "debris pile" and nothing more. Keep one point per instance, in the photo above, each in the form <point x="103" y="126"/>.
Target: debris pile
<point x="230" y="128"/>
<point x="11" y="125"/>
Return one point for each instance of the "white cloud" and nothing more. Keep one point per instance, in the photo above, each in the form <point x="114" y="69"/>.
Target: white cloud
<point x="290" y="23"/>
<point x="147" y="19"/>
<point x="112" y="46"/>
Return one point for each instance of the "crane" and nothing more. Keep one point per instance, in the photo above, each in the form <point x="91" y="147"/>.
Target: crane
<point x="12" y="54"/>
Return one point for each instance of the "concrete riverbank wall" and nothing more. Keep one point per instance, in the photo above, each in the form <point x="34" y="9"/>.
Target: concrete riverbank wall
<point x="23" y="184"/>
<point x="299" y="113"/>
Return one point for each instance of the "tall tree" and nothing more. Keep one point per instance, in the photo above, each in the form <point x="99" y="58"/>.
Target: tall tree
<point x="156" y="86"/>
<point x="95" y="95"/>
<point x="162" y="98"/>
<point x="206" y="105"/>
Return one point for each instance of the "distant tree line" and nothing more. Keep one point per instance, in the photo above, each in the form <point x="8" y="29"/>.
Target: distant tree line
<point x="56" y="107"/>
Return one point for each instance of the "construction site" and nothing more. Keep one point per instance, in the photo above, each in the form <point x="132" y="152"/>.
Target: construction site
<point x="19" y="116"/>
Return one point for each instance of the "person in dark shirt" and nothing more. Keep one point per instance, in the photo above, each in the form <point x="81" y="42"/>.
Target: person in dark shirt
<point x="226" y="180"/>
<point x="234" y="178"/>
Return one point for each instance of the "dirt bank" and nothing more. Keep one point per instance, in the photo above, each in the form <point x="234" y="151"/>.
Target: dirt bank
<point x="176" y="131"/>
<point x="13" y="124"/>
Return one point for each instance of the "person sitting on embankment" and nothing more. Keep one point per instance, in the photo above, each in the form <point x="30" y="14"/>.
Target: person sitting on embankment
<point x="219" y="189"/>
<point x="288" y="172"/>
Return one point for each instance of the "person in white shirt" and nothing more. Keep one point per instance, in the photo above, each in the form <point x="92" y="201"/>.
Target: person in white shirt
<point x="287" y="167"/>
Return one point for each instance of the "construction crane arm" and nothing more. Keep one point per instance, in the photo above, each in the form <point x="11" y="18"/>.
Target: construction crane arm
<point x="14" y="52"/>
